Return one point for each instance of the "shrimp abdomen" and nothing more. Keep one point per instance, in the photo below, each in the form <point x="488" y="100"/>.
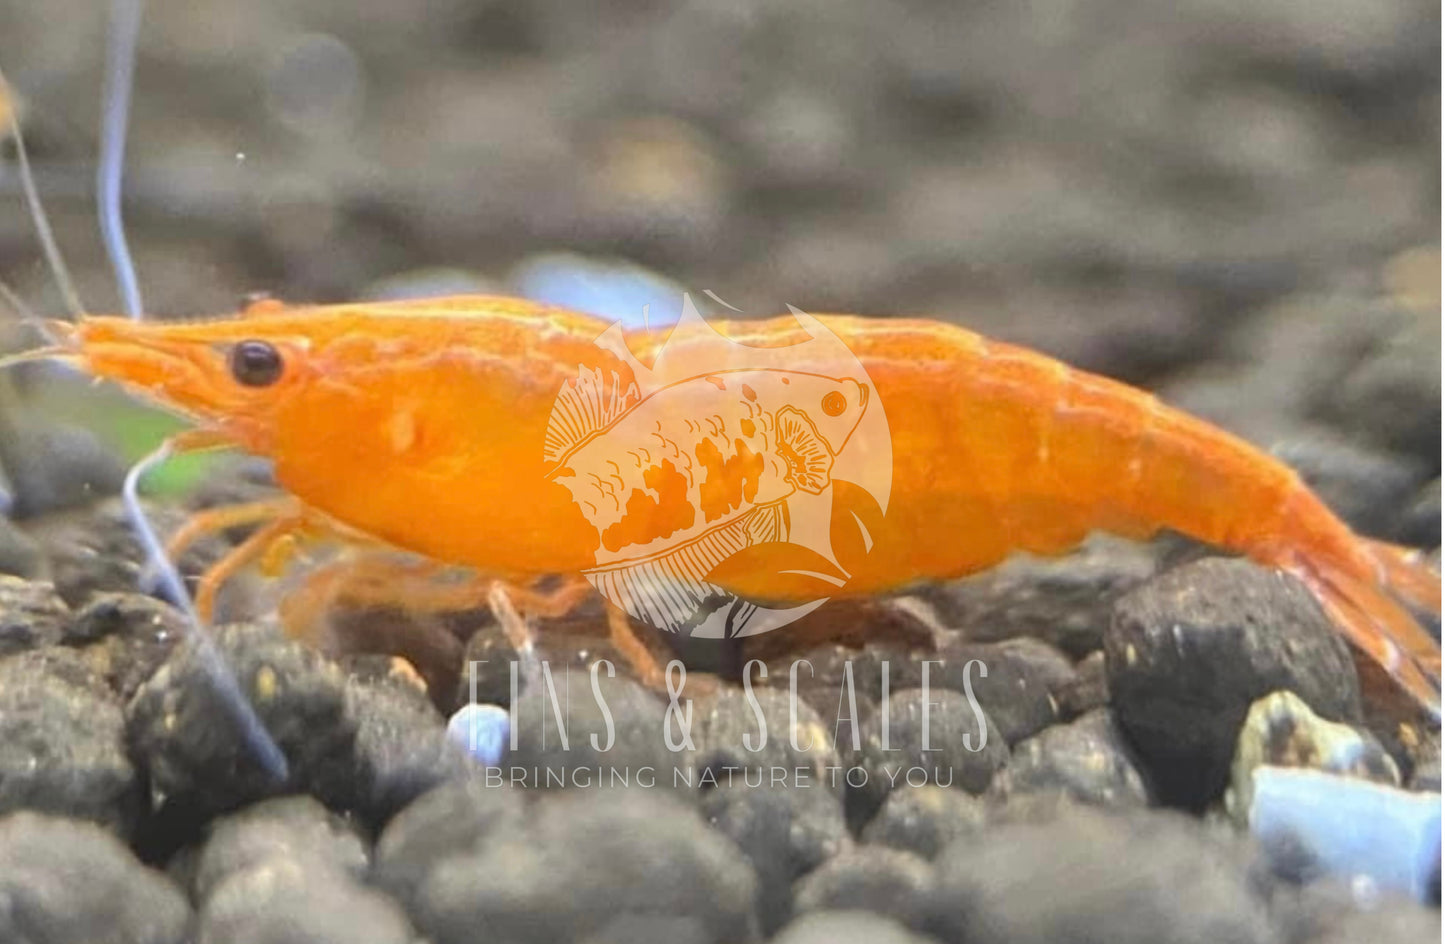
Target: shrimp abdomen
<point x="1040" y="454"/>
<point x="998" y="449"/>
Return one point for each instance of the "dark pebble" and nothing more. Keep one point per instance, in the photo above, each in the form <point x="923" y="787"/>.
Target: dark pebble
<point x="192" y="747"/>
<point x="843" y="684"/>
<point x="294" y="829"/>
<point x="1426" y="764"/>
<point x="864" y="630"/>
<point x="62" y="742"/>
<point x="581" y="863"/>
<point x="846" y="927"/>
<point x="486" y="666"/>
<point x="430" y="642"/>
<point x="1087" y="759"/>
<point x="19" y="553"/>
<point x="116" y="614"/>
<point x="1391" y="397"/>
<point x="1064" y="601"/>
<point x="790" y="744"/>
<point x="1086" y="877"/>
<point x="923" y="820"/>
<point x="1013" y="681"/>
<point x="485" y="677"/>
<point x="573" y="749"/>
<point x="283" y="901"/>
<point x="1039" y="806"/>
<point x="453" y="820"/>
<point x="32" y="614"/>
<point x="785" y="832"/>
<point x="945" y="761"/>
<point x="401" y="742"/>
<point x="1418" y="523"/>
<point x="1394" y="923"/>
<point x="888" y="882"/>
<point x="1053" y="666"/>
<point x="824" y="680"/>
<point x="1334" y="911"/>
<point x="94" y="549"/>
<point x="65" y="882"/>
<point x="1189" y="652"/>
<point x="1088" y="689"/>
<point x="648" y="929"/>
<point x="126" y="637"/>
<point x="288" y="870"/>
<point x="1297" y="351"/>
<point x="797" y="141"/>
<point x="52" y="467"/>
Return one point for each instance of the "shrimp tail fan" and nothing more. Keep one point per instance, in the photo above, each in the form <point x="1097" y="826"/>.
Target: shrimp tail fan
<point x="1378" y="597"/>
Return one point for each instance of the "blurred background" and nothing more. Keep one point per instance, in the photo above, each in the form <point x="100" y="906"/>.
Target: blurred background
<point x="1235" y="202"/>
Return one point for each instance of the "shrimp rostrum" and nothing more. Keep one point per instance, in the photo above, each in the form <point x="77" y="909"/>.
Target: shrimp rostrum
<point x="465" y="430"/>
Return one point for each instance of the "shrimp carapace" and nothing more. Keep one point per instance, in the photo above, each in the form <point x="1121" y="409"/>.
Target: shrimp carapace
<point x="429" y="426"/>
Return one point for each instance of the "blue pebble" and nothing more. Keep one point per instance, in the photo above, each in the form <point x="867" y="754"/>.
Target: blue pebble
<point x="617" y="291"/>
<point x="1351" y="827"/>
<point x="482" y="730"/>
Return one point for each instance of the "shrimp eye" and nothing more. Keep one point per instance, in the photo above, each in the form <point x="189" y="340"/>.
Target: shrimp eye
<point x="834" y="403"/>
<point x="255" y="364"/>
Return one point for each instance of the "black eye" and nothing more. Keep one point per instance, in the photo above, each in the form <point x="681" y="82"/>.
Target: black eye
<point x="255" y="364"/>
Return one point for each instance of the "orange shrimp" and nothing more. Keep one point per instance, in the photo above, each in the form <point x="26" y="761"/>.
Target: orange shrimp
<point x="425" y="425"/>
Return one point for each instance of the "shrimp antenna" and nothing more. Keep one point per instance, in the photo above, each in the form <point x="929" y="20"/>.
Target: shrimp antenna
<point x="53" y="331"/>
<point x="37" y="212"/>
<point x="125" y="18"/>
<point x="126" y="22"/>
<point x="213" y="662"/>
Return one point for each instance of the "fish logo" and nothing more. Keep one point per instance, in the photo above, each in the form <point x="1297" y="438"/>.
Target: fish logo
<point x="716" y="454"/>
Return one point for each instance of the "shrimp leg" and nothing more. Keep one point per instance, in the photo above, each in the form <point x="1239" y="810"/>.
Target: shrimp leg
<point x="382" y="580"/>
<point x="249" y="550"/>
<point x="625" y="640"/>
<point x="212" y="520"/>
<point x="378" y="580"/>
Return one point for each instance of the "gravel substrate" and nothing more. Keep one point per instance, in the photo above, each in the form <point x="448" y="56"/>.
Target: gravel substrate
<point x="1056" y="828"/>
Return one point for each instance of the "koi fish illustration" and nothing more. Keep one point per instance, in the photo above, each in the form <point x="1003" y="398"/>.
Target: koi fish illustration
<point x="683" y="479"/>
